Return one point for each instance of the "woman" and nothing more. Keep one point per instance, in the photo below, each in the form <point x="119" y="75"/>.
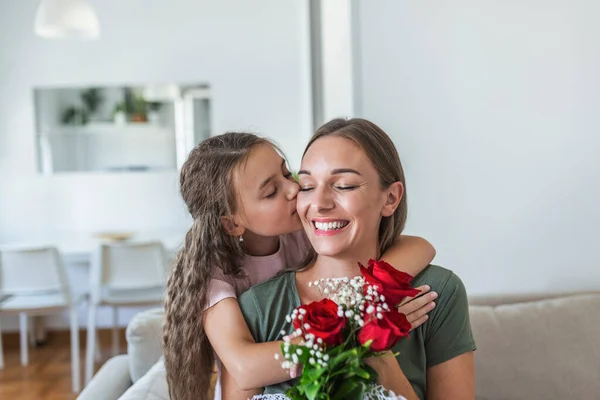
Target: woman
<point x="245" y="229"/>
<point x="351" y="174"/>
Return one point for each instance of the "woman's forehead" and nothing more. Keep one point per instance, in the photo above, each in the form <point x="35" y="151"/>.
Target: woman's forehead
<point x="334" y="152"/>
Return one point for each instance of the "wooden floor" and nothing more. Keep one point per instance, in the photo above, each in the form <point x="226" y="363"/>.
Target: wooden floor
<point x="48" y="375"/>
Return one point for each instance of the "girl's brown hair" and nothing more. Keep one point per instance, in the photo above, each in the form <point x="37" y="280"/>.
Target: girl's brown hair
<point x="207" y="188"/>
<point x="382" y="153"/>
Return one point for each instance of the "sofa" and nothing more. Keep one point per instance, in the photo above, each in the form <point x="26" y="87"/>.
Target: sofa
<point x="528" y="347"/>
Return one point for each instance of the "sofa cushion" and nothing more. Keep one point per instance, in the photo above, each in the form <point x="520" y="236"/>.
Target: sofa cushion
<point x="152" y="386"/>
<point x="110" y="381"/>
<point x="144" y="341"/>
<point x="544" y="349"/>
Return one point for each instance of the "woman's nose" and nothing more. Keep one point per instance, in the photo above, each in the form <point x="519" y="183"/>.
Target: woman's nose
<point x="322" y="199"/>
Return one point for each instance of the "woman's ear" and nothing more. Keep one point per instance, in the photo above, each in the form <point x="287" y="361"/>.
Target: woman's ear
<point x="231" y="226"/>
<point x="392" y="201"/>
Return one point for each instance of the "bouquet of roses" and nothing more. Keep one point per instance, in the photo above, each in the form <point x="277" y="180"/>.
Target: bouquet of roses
<point x="356" y="319"/>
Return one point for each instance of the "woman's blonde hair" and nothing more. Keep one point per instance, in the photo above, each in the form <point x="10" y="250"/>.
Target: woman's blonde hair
<point x="207" y="188"/>
<point x="382" y="153"/>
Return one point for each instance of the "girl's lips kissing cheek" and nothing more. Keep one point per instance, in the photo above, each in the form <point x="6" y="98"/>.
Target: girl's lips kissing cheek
<point x="329" y="227"/>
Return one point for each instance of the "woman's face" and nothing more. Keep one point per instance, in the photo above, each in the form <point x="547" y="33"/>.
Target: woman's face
<point x="267" y="192"/>
<point x="341" y="201"/>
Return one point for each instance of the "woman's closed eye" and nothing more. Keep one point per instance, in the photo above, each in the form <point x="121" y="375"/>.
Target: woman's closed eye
<point x="340" y="187"/>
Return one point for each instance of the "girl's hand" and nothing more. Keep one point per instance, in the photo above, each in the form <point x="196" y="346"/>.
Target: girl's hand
<point x="295" y="338"/>
<point x="416" y="308"/>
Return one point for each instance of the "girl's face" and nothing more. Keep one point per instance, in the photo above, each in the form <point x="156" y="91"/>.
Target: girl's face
<point x="267" y="192"/>
<point x="341" y="201"/>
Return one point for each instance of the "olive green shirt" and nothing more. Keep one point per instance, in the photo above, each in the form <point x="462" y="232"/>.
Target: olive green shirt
<point x="445" y="335"/>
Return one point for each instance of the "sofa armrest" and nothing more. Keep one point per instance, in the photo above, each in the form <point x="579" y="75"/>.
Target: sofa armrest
<point x="144" y="341"/>
<point x="110" y="382"/>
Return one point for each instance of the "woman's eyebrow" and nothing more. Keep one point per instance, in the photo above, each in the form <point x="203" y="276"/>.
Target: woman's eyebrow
<point x="336" y="171"/>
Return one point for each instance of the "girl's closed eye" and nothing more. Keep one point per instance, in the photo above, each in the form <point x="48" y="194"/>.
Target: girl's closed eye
<point x="272" y="194"/>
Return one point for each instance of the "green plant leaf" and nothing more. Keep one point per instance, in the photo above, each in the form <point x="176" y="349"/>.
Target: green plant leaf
<point x="312" y="390"/>
<point x="344" y="390"/>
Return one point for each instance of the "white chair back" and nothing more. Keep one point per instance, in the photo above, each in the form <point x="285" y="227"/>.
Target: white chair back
<point x="125" y="266"/>
<point x="26" y="271"/>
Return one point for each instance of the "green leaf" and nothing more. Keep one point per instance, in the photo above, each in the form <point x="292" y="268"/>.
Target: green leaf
<point x="344" y="390"/>
<point x="362" y="373"/>
<point x="312" y="390"/>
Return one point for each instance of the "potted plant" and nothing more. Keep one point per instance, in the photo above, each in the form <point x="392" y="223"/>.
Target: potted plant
<point x="92" y="99"/>
<point x="135" y="106"/>
<point x="74" y="116"/>
<point x="119" y="114"/>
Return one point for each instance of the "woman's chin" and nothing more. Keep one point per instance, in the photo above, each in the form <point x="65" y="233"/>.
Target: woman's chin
<point x="328" y="250"/>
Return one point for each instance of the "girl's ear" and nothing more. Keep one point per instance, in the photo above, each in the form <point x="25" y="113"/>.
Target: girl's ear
<point x="231" y="226"/>
<point x="394" y="195"/>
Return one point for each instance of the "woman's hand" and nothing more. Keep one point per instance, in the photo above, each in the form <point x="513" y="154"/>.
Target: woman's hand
<point x="390" y="375"/>
<point x="416" y="308"/>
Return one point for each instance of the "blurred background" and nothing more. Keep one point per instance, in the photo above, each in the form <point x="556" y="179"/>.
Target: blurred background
<point x="492" y="105"/>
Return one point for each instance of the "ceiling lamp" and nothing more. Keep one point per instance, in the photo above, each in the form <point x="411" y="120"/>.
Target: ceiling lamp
<point x="66" y="19"/>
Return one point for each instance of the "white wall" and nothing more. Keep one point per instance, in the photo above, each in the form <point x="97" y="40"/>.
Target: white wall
<point x="493" y="106"/>
<point x="254" y="55"/>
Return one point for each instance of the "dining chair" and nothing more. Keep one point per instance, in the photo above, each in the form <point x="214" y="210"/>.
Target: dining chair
<point x="123" y="274"/>
<point x="33" y="282"/>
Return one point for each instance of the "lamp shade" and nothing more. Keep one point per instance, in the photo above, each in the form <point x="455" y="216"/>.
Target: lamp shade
<point x="65" y="19"/>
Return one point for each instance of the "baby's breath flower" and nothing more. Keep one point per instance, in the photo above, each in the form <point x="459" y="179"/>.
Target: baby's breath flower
<point x="370" y="309"/>
<point x="295" y="359"/>
<point x="311" y="361"/>
<point x="277" y="356"/>
<point x="299" y="352"/>
<point x="288" y="319"/>
<point x="379" y="316"/>
<point x="326" y="357"/>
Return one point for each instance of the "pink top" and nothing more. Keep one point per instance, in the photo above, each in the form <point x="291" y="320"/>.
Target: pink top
<point x="293" y="247"/>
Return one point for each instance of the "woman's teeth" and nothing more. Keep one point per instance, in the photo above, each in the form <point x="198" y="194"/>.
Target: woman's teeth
<point x="326" y="226"/>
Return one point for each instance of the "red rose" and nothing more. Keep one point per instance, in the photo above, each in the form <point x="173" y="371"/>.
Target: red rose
<point x="393" y="284"/>
<point x="384" y="332"/>
<point x="324" y="322"/>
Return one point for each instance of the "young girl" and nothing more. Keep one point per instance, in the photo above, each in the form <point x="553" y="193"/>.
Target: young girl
<point x="245" y="230"/>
